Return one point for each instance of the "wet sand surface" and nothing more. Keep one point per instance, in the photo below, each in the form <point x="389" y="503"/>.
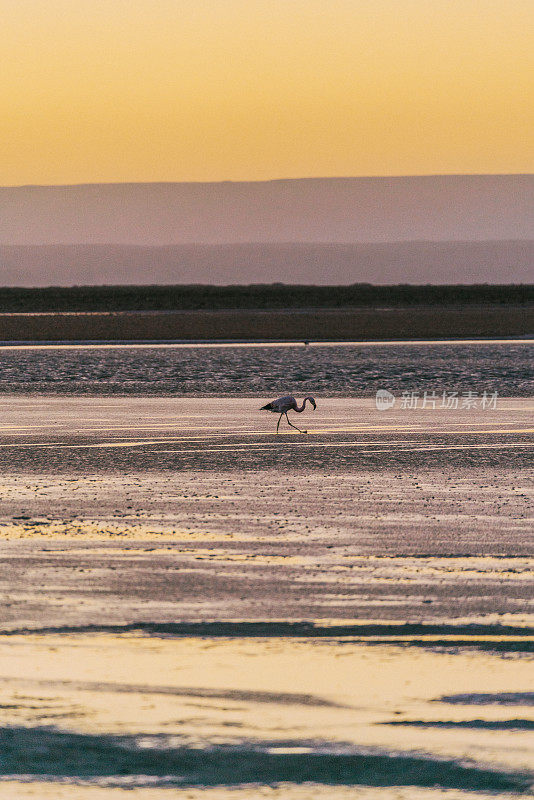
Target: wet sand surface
<point x="190" y="600"/>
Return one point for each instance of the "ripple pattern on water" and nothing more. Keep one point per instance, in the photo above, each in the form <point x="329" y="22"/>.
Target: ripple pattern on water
<point x="357" y="370"/>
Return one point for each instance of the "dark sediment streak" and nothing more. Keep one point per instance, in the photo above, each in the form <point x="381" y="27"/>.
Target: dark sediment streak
<point x="517" y="646"/>
<point x="475" y="724"/>
<point x="286" y="698"/>
<point x="270" y="629"/>
<point x="44" y="753"/>
<point x="485" y="699"/>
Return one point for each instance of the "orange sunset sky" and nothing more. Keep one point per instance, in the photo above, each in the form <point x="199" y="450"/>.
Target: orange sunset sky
<point x="202" y="90"/>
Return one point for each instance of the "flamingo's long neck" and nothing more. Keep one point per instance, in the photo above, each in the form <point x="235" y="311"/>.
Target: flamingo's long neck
<point x="302" y="407"/>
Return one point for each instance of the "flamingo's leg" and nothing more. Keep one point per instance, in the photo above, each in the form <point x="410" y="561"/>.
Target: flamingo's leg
<point x="294" y="426"/>
<point x="279" y="418"/>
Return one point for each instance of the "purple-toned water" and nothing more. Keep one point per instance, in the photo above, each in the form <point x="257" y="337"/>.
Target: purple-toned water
<point x="336" y="370"/>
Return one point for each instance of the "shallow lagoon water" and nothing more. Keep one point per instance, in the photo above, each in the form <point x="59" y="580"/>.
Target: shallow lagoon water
<point x="305" y="718"/>
<point x="337" y="370"/>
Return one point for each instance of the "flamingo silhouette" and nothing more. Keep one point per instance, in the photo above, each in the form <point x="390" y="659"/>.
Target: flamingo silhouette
<point x="288" y="403"/>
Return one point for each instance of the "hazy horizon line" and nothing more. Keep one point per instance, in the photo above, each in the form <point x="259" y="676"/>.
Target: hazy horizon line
<point x="269" y="243"/>
<point x="271" y="180"/>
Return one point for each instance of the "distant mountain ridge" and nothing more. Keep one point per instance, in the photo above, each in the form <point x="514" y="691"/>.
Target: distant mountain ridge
<point x="500" y="262"/>
<point x="319" y="210"/>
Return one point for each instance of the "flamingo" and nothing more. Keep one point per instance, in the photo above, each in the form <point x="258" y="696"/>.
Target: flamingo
<point x="288" y="403"/>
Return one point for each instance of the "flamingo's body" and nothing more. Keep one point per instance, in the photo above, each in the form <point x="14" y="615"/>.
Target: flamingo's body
<point x="288" y="403"/>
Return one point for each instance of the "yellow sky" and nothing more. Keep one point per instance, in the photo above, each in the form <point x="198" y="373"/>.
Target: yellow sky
<point x="142" y="90"/>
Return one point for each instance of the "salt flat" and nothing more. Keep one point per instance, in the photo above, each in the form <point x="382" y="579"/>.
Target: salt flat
<point x="133" y="509"/>
<point x="190" y="600"/>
